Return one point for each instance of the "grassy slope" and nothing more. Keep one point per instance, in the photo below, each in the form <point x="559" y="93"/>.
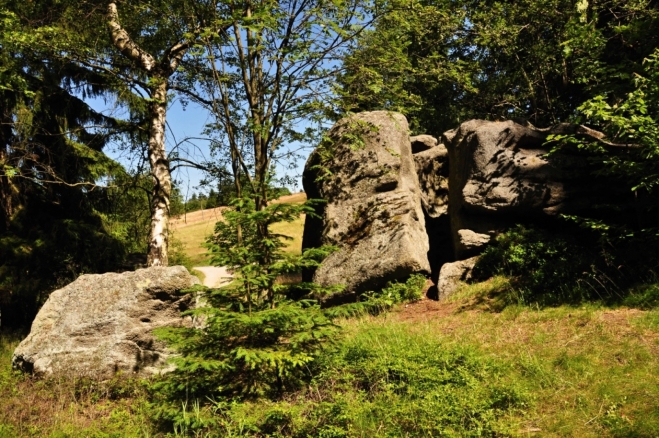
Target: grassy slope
<point x="565" y="371"/>
<point x="200" y="224"/>
<point x="590" y="371"/>
<point x="575" y="371"/>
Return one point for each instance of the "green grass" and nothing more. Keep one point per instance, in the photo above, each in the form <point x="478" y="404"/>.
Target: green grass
<point x="66" y="407"/>
<point x="425" y="369"/>
<point x="566" y="371"/>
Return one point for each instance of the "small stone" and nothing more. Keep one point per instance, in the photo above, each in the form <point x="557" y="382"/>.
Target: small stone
<point x="472" y="242"/>
<point x="452" y="274"/>
<point x="422" y="143"/>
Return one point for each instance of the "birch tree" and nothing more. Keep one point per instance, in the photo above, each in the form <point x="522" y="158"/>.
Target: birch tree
<point x="158" y="71"/>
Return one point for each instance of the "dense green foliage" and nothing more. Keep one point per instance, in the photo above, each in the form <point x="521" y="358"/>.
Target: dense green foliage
<point x="546" y="269"/>
<point x="65" y="207"/>
<point x="444" y="62"/>
<point x="631" y="125"/>
<point x="384" y="382"/>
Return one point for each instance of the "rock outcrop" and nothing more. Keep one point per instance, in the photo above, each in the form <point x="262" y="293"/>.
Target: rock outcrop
<point x="432" y="171"/>
<point x="101" y="324"/>
<point x="366" y="173"/>
<point x="480" y="180"/>
<point x="500" y="174"/>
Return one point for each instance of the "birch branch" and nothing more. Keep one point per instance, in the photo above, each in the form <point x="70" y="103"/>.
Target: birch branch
<point x="125" y="44"/>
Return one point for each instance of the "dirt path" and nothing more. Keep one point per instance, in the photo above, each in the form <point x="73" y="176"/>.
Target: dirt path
<point x="215" y="276"/>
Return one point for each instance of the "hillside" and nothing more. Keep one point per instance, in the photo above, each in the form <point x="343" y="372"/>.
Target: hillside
<point x="193" y="229"/>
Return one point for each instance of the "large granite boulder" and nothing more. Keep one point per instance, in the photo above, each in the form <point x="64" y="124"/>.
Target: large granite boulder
<point x="365" y="171"/>
<point x="101" y="324"/>
<point x="500" y="174"/>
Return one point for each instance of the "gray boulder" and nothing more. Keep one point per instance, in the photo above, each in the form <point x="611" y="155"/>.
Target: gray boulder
<point x="500" y="174"/>
<point x="101" y="324"/>
<point x="366" y="173"/>
<point x="453" y="274"/>
<point x="431" y="161"/>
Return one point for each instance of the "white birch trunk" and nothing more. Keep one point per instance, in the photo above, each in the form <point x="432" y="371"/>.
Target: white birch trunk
<point x="162" y="180"/>
<point x="157" y="253"/>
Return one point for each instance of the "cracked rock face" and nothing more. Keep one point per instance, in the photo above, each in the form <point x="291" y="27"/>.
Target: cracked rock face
<point x="366" y="173"/>
<point x="101" y="324"/>
<point x="432" y="171"/>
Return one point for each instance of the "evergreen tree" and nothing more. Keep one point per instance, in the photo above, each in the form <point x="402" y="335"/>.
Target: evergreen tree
<point x="54" y="218"/>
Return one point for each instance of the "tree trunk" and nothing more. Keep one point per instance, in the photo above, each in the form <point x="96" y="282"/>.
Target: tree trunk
<point x="158" y="73"/>
<point x="6" y="187"/>
<point x="162" y="179"/>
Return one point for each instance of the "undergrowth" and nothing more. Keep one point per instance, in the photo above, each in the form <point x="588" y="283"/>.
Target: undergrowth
<point x="380" y="380"/>
<point x="548" y="269"/>
<point x="376" y="302"/>
<point x="258" y="353"/>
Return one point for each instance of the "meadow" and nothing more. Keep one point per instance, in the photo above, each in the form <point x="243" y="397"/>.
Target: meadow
<point x="424" y="369"/>
<point x="193" y="229"/>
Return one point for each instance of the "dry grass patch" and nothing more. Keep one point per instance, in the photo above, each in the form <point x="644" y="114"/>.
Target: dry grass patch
<point x="292" y="229"/>
<point x="193" y="237"/>
<point x="194" y="229"/>
<point x="295" y="198"/>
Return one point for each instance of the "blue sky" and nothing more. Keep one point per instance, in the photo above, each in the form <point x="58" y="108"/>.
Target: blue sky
<point x="185" y="123"/>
